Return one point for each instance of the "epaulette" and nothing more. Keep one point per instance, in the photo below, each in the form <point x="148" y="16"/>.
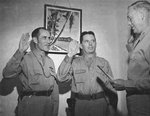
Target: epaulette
<point x="101" y="59"/>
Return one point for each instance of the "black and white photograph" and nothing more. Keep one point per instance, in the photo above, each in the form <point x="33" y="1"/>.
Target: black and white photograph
<point x="75" y="58"/>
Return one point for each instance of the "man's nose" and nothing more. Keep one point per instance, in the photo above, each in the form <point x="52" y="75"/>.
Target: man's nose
<point x="90" y="43"/>
<point x="130" y="24"/>
<point x="49" y="40"/>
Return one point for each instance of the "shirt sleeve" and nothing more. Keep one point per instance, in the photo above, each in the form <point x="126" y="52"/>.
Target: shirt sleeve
<point x="107" y="77"/>
<point x="109" y="72"/>
<point x="111" y="93"/>
<point x="65" y="69"/>
<point x="144" y="83"/>
<point x="13" y="68"/>
<point x="147" y="55"/>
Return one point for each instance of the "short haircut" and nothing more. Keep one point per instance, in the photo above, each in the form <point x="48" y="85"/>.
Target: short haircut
<point x="85" y="33"/>
<point x="35" y="32"/>
<point x="143" y="4"/>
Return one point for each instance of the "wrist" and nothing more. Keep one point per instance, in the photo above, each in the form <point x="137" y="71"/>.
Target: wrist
<point x="19" y="55"/>
<point x="70" y="55"/>
<point x="22" y="50"/>
<point x="68" y="58"/>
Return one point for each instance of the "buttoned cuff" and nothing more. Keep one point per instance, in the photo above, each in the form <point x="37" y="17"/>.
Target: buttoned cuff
<point x="68" y="59"/>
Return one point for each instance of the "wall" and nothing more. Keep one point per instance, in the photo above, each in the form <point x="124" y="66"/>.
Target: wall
<point x="107" y="18"/>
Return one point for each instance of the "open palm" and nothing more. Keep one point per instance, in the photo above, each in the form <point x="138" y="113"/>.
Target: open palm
<point x="24" y="42"/>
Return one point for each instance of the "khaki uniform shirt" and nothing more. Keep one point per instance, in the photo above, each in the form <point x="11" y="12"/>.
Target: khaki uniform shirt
<point x="139" y="64"/>
<point x="138" y="83"/>
<point x="84" y="77"/>
<point x="33" y="74"/>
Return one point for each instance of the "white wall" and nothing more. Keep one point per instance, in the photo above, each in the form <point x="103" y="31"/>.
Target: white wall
<point x="107" y="18"/>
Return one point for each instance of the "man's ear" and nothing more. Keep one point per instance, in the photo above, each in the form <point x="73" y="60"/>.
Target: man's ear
<point x="142" y="14"/>
<point x="143" y="17"/>
<point x="80" y="46"/>
<point x="35" y="40"/>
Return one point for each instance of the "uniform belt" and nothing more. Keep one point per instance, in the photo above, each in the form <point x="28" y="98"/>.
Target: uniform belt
<point x="35" y="93"/>
<point x="89" y="97"/>
<point x="130" y="93"/>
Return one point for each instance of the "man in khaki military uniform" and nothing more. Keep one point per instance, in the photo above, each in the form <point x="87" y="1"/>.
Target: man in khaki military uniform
<point x="137" y="84"/>
<point x="36" y="71"/>
<point x="85" y="71"/>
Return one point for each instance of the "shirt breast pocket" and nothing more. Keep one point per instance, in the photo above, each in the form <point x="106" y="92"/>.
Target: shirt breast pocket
<point x="37" y="72"/>
<point x="80" y="76"/>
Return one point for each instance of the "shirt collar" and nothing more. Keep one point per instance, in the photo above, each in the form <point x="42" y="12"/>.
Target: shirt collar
<point x="38" y="53"/>
<point x="87" y="58"/>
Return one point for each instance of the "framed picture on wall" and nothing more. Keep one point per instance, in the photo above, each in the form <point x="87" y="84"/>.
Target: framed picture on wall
<point x="64" y="24"/>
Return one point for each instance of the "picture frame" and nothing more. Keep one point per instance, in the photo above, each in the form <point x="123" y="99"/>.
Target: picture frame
<point x="64" y="24"/>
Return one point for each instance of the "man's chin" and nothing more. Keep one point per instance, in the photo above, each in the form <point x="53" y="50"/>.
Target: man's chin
<point x="92" y="52"/>
<point x="46" y="50"/>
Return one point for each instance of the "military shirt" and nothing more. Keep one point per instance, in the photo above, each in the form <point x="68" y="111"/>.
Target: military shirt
<point x="84" y="78"/>
<point x="139" y="64"/>
<point x="34" y="75"/>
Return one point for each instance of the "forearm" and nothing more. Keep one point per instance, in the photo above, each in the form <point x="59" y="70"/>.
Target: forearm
<point x="64" y="69"/>
<point x="12" y="68"/>
<point x="140" y="84"/>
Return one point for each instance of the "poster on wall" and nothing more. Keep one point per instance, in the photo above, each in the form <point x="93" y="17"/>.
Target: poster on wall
<point x="64" y="24"/>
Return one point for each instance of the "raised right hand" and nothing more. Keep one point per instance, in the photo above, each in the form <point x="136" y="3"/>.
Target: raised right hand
<point x="24" y="42"/>
<point x="73" y="48"/>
